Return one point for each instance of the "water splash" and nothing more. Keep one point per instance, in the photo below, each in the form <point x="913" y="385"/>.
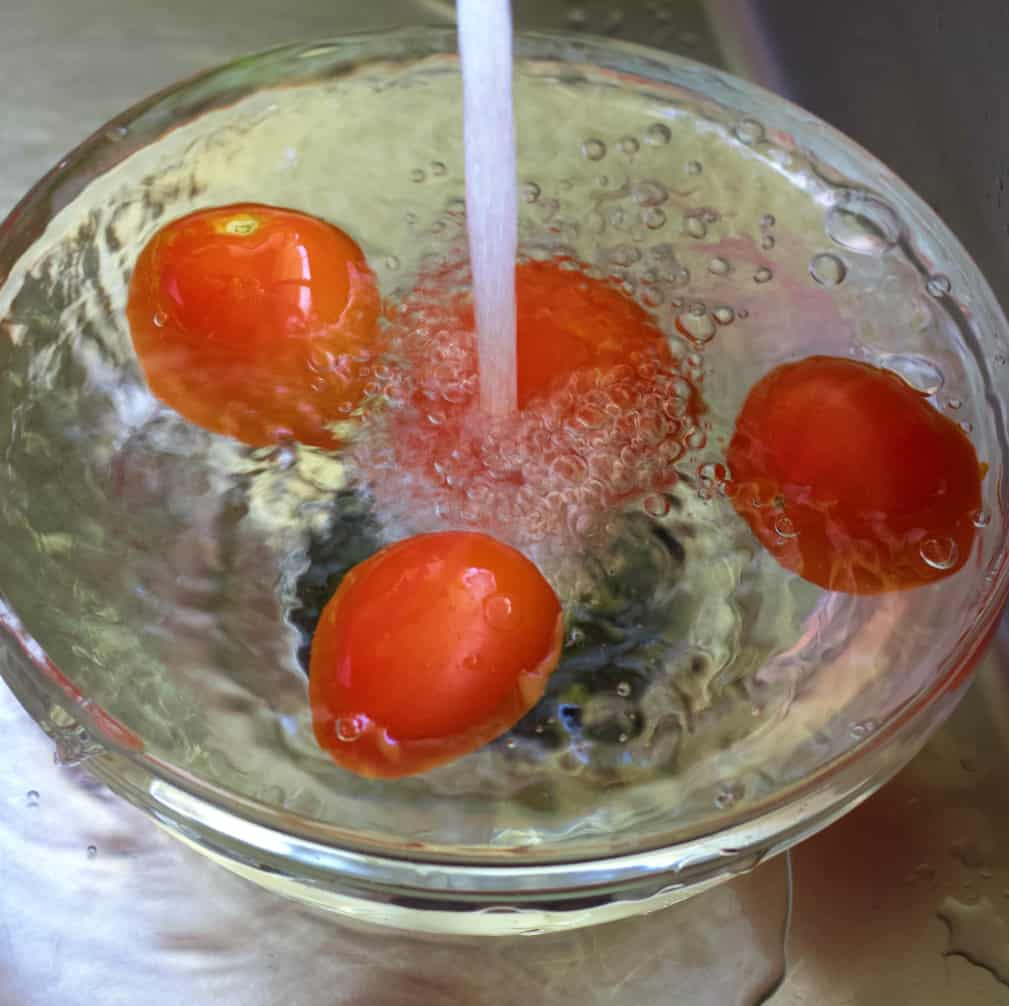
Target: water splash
<point x="485" y="47"/>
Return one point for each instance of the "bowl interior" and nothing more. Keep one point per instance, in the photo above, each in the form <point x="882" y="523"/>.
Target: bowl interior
<point x="167" y="573"/>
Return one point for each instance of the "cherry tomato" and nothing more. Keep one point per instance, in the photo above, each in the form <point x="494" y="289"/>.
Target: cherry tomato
<point x="428" y="650"/>
<point x="852" y="479"/>
<point x="255" y="322"/>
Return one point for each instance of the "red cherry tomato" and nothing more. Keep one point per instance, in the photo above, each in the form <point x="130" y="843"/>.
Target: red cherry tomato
<point x="255" y="322"/>
<point x="851" y="479"/>
<point x="428" y="650"/>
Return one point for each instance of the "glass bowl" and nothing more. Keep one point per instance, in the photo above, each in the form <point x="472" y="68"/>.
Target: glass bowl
<point x="154" y="576"/>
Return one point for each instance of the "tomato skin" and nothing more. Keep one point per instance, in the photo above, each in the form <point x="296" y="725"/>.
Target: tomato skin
<point x="255" y="322"/>
<point x="867" y="473"/>
<point x="428" y="650"/>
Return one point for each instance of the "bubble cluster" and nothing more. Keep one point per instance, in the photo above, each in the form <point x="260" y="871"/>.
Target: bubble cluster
<point x="605" y="434"/>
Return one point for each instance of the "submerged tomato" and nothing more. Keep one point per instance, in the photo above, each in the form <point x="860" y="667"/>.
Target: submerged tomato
<point x="428" y="650"/>
<point x="851" y="479"/>
<point x="255" y="322"/>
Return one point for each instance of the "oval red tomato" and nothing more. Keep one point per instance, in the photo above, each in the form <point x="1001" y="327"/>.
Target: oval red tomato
<point x="852" y="479"/>
<point x="428" y="650"/>
<point x="255" y="322"/>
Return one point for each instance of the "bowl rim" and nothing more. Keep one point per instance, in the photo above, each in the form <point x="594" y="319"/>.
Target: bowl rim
<point x="248" y="829"/>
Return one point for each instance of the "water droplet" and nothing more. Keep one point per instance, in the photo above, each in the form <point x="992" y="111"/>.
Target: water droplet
<point x="629" y="146"/>
<point x="767" y="242"/>
<point x="728" y="795"/>
<point x="497" y="609"/>
<point x="92" y="852"/>
<point x="862" y="729"/>
<point x="785" y="528"/>
<point x="653" y="218"/>
<point x="650" y="193"/>
<point x="763" y="275"/>
<point x="862" y="223"/>
<point x="349" y="728"/>
<point x="32" y="798"/>
<point x="724" y="315"/>
<point x="694" y="167"/>
<point x="938" y="285"/>
<point x="624" y="689"/>
<point x="594" y="150"/>
<point x="767" y="221"/>
<point x="438" y="169"/>
<point x="657" y="505"/>
<point x="160" y="319"/>
<point x="749" y="131"/>
<point x="719" y="266"/>
<point x="657" y="134"/>
<point x="391" y="263"/>
<point x="531" y="192"/>
<point x="417" y="175"/>
<point x="980" y="518"/>
<point x="695" y="226"/>
<point x="939" y="553"/>
<point x="827" y="269"/>
<point x="978" y="933"/>
<point x="696" y="324"/>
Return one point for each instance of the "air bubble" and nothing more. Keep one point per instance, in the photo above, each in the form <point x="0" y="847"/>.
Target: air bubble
<point x="657" y="134"/>
<point x="391" y="263"/>
<point x="629" y="146"/>
<point x="763" y="275"/>
<point x="624" y="690"/>
<point x="784" y="527"/>
<point x="531" y="192"/>
<point x="577" y="17"/>
<point x="594" y="150"/>
<point x="980" y="518"/>
<point x="724" y="315"/>
<point x="438" y="169"/>
<point x="92" y="852"/>
<point x="967" y="427"/>
<point x="827" y="269"/>
<point x="417" y="175"/>
<point x="650" y="193"/>
<point x="719" y="266"/>
<point x="728" y="795"/>
<point x="349" y="728"/>
<point x="862" y="223"/>
<point x="695" y="226"/>
<point x="32" y="798"/>
<point x="160" y="319"/>
<point x="921" y="374"/>
<point x="767" y="242"/>
<point x="653" y="218"/>
<point x="749" y="131"/>
<point x="497" y="609"/>
<point x="954" y="403"/>
<point x="939" y="553"/>
<point x="694" y="167"/>
<point x="938" y="285"/>
<point x="767" y="221"/>
<point x="657" y="505"/>
<point x="862" y="729"/>
<point x="696" y="324"/>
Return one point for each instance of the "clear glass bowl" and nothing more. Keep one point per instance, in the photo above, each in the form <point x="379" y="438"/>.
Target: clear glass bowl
<point x="150" y="572"/>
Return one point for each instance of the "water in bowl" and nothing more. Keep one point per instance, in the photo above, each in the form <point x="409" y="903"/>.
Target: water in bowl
<point x="175" y="576"/>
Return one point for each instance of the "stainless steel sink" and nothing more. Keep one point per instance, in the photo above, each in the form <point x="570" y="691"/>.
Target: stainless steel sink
<point x="906" y="900"/>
